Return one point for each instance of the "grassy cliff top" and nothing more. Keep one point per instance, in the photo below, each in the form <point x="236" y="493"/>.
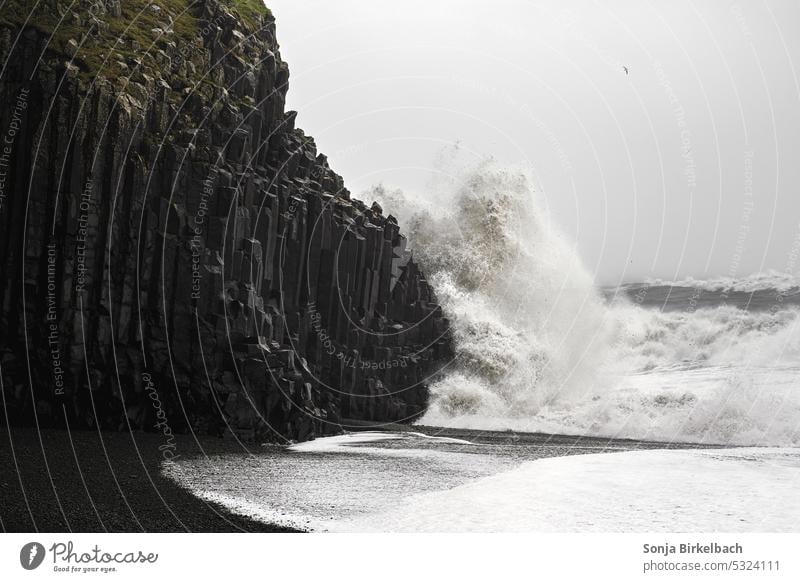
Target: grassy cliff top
<point x="248" y="10"/>
<point x="106" y="44"/>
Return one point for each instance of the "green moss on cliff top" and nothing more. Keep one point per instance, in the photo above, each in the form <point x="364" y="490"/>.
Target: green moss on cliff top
<point x="249" y="10"/>
<point x="131" y="40"/>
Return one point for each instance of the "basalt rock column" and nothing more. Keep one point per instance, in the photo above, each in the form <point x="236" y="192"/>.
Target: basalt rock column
<point x="174" y="254"/>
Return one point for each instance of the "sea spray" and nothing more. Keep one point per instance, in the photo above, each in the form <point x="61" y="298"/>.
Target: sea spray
<point x="528" y="324"/>
<point x="539" y="349"/>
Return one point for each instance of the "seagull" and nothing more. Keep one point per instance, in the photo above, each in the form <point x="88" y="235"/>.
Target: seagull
<point x="624" y="68"/>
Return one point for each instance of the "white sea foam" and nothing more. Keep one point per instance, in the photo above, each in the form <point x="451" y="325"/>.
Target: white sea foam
<point x="741" y="490"/>
<point x="538" y="349"/>
<point x="770" y="279"/>
<point x="343" y="443"/>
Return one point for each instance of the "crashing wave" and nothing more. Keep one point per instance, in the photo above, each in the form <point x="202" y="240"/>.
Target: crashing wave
<point x="538" y="349"/>
<point x="768" y="280"/>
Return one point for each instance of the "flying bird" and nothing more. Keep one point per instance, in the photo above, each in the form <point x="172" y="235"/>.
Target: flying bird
<point x="624" y="68"/>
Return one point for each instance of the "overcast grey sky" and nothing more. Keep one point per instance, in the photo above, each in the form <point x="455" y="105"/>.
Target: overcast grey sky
<point x="686" y="166"/>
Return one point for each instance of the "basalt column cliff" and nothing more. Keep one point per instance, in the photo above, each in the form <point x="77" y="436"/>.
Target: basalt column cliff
<point x="174" y="253"/>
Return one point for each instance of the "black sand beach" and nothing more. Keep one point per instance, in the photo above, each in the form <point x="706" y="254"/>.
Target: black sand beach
<point x="91" y="482"/>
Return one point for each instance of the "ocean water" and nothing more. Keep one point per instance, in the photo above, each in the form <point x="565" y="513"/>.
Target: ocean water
<point x="692" y="364"/>
<point x="679" y="365"/>
<point x="501" y="482"/>
<point x="541" y="348"/>
<point x="727" y="490"/>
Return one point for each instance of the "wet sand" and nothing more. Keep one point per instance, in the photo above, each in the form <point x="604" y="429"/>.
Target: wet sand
<point x="57" y="481"/>
<point x="323" y="485"/>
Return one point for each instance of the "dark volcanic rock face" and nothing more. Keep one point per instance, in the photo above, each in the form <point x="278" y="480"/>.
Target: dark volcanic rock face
<point x="174" y="254"/>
